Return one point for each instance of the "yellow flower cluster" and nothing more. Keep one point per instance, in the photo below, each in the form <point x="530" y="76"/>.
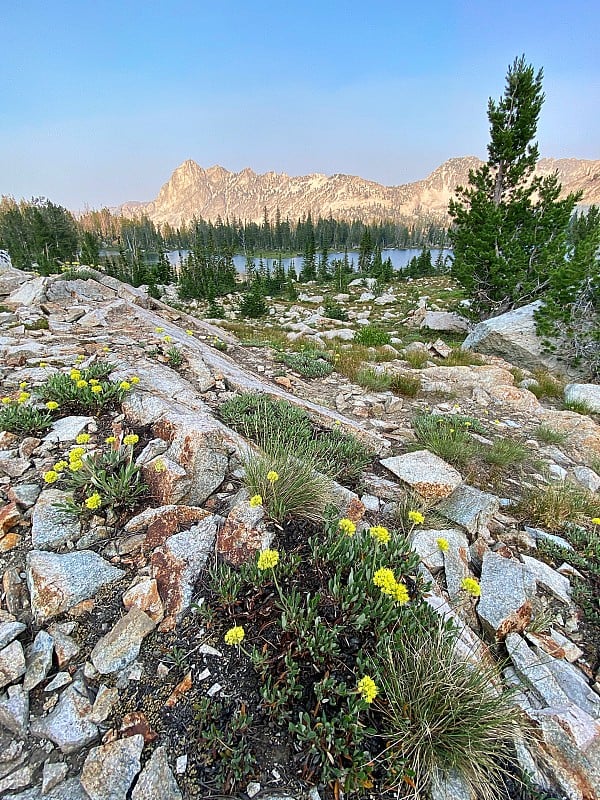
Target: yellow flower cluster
<point x="22" y="397"/>
<point x="471" y="586"/>
<point x="60" y="466"/>
<point x="255" y="501"/>
<point x="6" y="400"/>
<point x="596" y="521"/>
<point x="272" y="476"/>
<point x="51" y="476"/>
<point x="75" y="375"/>
<point x="346" y="526"/>
<point x="75" y="456"/>
<point x="442" y="544"/>
<point x="367" y="688"/>
<point x="416" y="517"/>
<point x="125" y="385"/>
<point x="110" y="439"/>
<point x="380" y="533"/>
<point x="131" y="439"/>
<point x="83" y="438"/>
<point x="235" y="635"/>
<point x="385" y="579"/>
<point x="93" y="502"/>
<point x="51" y="405"/>
<point x="268" y="559"/>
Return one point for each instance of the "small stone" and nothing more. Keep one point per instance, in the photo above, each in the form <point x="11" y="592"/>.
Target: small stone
<point x="243" y="534"/>
<point x="156" y="781"/>
<point x="181" y="764"/>
<point x="10" y="631"/>
<point x="103" y="704"/>
<point x="9" y="516"/>
<point x="144" y="595"/>
<point x="9" y="542"/>
<point x="67" y="429"/>
<point x="14" y="710"/>
<point x="122" y="644"/>
<point x="110" y="769"/>
<point x="587" y="478"/>
<point x="470" y="508"/>
<point x="252" y="789"/>
<point x="535" y="672"/>
<point x="13" y="467"/>
<point x="51" y="527"/>
<point x="65" y="647"/>
<point x="587" y="393"/>
<point x="17" y="779"/>
<point x="58" y="681"/>
<point x="68" y="790"/>
<point x="68" y="725"/>
<point x="428" y="474"/>
<point x="54" y="773"/>
<point x="450" y="785"/>
<point x="39" y="660"/>
<point x="12" y="663"/>
<point x="214" y="689"/>
<point x="551" y="580"/>
<point x="424" y="542"/>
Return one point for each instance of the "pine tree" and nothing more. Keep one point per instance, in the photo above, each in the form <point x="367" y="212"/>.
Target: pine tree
<point x="509" y="225"/>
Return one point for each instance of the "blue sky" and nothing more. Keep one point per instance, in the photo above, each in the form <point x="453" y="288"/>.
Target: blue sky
<point x="100" y="101"/>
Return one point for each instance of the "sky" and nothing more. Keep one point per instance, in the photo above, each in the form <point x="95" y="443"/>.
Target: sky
<point x="100" y="101"/>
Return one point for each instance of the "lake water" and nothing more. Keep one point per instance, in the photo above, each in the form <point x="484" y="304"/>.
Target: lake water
<point x="400" y="258"/>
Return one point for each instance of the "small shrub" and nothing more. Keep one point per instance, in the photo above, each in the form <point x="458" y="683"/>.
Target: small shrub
<point x="546" y="435"/>
<point x="77" y="273"/>
<point x="334" y="310"/>
<point x="253" y="305"/>
<point x="416" y="358"/>
<point x="85" y="389"/>
<point x="298" y="491"/>
<point x="371" y="336"/>
<point x="309" y="363"/>
<point x="40" y="324"/>
<point x="405" y="385"/>
<point x="457" y="719"/>
<point x="374" y="380"/>
<point x="462" y="358"/>
<point x="556" y="504"/>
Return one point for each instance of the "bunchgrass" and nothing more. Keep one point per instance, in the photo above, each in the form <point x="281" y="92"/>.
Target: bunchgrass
<point x="554" y="505"/>
<point x="446" y="437"/>
<point x="579" y="407"/>
<point x="504" y="453"/>
<point x="547" y="435"/>
<point x="405" y="385"/>
<point x="20" y="418"/>
<point x="546" y="385"/>
<point x="462" y="358"/>
<point x="371" y="336"/>
<point x="373" y="380"/>
<point x="417" y="358"/>
<point x="299" y="491"/>
<point x="443" y="713"/>
<point x="337" y="454"/>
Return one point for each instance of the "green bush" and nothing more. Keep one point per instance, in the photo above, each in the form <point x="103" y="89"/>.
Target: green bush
<point x="20" y="418"/>
<point x="371" y="336"/>
<point x="334" y="310"/>
<point x="253" y="305"/>
<point x="546" y="435"/>
<point x="447" y="436"/>
<point x="308" y="363"/>
<point x="417" y="358"/>
<point x="373" y="379"/>
<point x="405" y="385"/>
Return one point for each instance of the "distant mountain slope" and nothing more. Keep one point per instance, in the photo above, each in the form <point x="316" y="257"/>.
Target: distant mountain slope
<point x="210" y="193"/>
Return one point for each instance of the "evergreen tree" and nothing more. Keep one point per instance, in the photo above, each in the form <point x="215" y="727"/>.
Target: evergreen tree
<point x="365" y="252"/>
<point x="509" y="226"/>
<point x="309" y="267"/>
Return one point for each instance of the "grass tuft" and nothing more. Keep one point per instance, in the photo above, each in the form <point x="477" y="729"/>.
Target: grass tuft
<point x="405" y="385"/>
<point x="555" y="505"/>
<point x="547" y="435"/>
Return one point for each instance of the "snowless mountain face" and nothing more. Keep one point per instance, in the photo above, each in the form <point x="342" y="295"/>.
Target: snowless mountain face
<point x="192" y="191"/>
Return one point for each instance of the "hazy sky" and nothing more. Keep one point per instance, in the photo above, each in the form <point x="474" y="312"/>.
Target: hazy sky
<point x="100" y="101"/>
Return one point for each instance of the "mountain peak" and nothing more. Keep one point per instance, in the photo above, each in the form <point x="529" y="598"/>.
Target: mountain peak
<point x="192" y="191"/>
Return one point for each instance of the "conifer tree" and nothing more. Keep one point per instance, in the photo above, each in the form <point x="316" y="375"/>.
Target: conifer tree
<point x="509" y="225"/>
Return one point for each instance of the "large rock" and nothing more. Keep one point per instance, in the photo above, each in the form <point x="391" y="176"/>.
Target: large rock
<point x="14" y="710"/>
<point x="513" y="337"/>
<point x="156" y="781"/>
<point x="122" y="643"/>
<point x="586" y="393"/>
<point x="445" y="321"/>
<point x="30" y="293"/>
<point x="67" y="429"/>
<point x="68" y="724"/>
<point x="12" y="663"/>
<point x="177" y="564"/>
<point x="426" y="473"/>
<point x="39" y="660"/>
<point x="424" y="542"/>
<point x="507" y="588"/>
<point x="534" y="672"/>
<point x="78" y="290"/>
<point x="450" y="785"/>
<point x="549" y="578"/>
<point x="243" y="534"/>
<point x="68" y="790"/>
<point x="470" y="508"/>
<point x="582" y="440"/>
<point x="110" y="769"/>
<point x="58" y="582"/>
<point x="51" y="527"/>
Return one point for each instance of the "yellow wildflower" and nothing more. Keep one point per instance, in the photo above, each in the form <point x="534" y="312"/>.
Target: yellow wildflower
<point x="80" y="358"/>
<point x="134" y="380"/>
<point x="6" y="400"/>
<point x="189" y="332"/>
<point x="93" y="502"/>
<point x="83" y="438"/>
<point x="106" y="349"/>
<point x="131" y="439"/>
<point x="596" y="521"/>
<point x="110" y="439"/>
<point x="23" y="385"/>
<point x="75" y="374"/>
<point x="471" y="586"/>
<point x="400" y="593"/>
<point x="22" y="397"/>
<point x="94" y="381"/>
<point x="76" y="453"/>
<point x="346" y="526"/>
<point x="81" y="384"/>
<point x="416" y="517"/>
<point x="75" y="465"/>
<point x="51" y="405"/>
<point x="125" y="385"/>
<point x="60" y="465"/>
<point x="167" y="339"/>
<point x="268" y="559"/>
<point x="384" y="578"/>
<point x="255" y="501"/>
<point x="442" y="544"/>
<point x="234" y="635"/>
<point x="96" y="389"/>
<point x="272" y="476"/>
<point x="51" y="476"/>
<point x="367" y="689"/>
<point x="380" y="533"/>
<point x="158" y="330"/>
<point x="43" y="364"/>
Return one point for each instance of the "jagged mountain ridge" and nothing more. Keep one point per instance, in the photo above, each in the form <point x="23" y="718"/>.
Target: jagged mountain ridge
<point x="193" y="191"/>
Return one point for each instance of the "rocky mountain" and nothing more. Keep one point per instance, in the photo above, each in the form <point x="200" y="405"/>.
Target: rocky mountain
<point x="209" y="193"/>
